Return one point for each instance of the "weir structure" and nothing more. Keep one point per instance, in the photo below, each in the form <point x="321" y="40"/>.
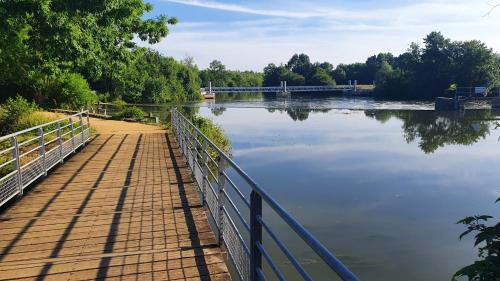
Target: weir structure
<point x="467" y="94"/>
<point x="282" y="90"/>
<point x="142" y="206"/>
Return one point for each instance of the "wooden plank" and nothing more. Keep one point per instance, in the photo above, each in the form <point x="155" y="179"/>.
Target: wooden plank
<point x="121" y="208"/>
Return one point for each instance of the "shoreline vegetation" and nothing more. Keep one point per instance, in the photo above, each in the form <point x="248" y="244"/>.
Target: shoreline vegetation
<point x="55" y="56"/>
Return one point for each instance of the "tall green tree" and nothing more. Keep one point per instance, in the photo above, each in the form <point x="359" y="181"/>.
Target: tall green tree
<point x="153" y="78"/>
<point x="427" y="72"/>
<point x="300" y="64"/>
<point x="321" y="77"/>
<point x="44" y="38"/>
<point x="222" y="77"/>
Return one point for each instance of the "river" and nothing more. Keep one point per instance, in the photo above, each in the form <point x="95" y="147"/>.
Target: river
<point x="381" y="184"/>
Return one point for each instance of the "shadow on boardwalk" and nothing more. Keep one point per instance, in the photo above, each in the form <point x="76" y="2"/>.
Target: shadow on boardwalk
<point x="123" y="208"/>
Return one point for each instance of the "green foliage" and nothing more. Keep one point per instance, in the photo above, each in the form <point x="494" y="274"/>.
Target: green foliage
<point x="221" y="77"/>
<point x="213" y="132"/>
<point x="41" y="41"/>
<point x="321" y="78"/>
<point x="153" y="78"/>
<point x="130" y="112"/>
<point x="300" y="64"/>
<point x="433" y="130"/>
<point x="383" y="73"/>
<point x="71" y="91"/>
<point x="13" y="114"/>
<point x="428" y="72"/>
<point x="120" y="104"/>
<point x="273" y="75"/>
<point x="488" y="240"/>
<point x="299" y="71"/>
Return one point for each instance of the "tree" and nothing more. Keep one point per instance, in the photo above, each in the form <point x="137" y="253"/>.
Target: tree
<point x="71" y="91"/>
<point x="43" y="39"/>
<point x="300" y="64"/>
<point x="425" y="73"/>
<point x="153" y="78"/>
<point x="216" y="72"/>
<point x="271" y="75"/>
<point x="383" y="73"/>
<point x="292" y="78"/>
<point x="189" y="62"/>
<point x="321" y="78"/>
<point x="340" y="74"/>
<point x="478" y="65"/>
<point x="436" y="70"/>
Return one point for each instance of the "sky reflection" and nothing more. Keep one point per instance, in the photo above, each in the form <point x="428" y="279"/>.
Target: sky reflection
<point x="383" y="189"/>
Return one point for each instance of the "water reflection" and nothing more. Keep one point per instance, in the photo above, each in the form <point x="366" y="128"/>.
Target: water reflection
<point x="430" y="129"/>
<point x="381" y="188"/>
<point x="298" y="113"/>
<point x="433" y="130"/>
<point x="217" y="111"/>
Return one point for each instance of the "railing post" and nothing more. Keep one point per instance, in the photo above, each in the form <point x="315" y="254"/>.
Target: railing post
<point x="182" y="136"/>
<point x="88" y="124"/>
<point x="194" y="149"/>
<point x="72" y="134"/>
<point x="41" y="151"/>
<point x="60" y="142"/>
<point x="80" y="116"/>
<point x="17" y="165"/>
<point x="185" y="139"/>
<point x="255" y="235"/>
<point x="188" y="141"/>
<point x="204" y="168"/>
<point x="221" y="182"/>
<point x="173" y="123"/>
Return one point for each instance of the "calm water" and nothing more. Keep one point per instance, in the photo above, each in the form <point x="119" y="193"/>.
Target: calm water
<point x="380" y="184"/>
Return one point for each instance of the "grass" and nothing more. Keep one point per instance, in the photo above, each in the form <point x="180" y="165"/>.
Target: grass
<point x="30" y="141"/>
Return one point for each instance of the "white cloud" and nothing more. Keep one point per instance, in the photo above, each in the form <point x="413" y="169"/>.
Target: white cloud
<point x="326" y="34"/>
<point x="244" y="9"/>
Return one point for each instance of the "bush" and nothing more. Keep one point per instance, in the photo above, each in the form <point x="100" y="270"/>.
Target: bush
<point x="120" y="104"/>
<point x="13" y="112"/>
<point x="71" y="91"/>
<point x="132" y="112"/>
<point x="213" y="132"/>
<point x="36" y="118"/>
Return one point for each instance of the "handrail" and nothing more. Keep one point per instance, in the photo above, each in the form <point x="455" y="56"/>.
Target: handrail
<point x="29" y="156"/>
<point x="280" y="88"/>
<point x="2" y="138"/>
<point x="185" y="131"/>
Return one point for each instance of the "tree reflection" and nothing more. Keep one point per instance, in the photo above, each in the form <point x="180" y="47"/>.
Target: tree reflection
<point x="218" y="110"/>
<point x="298" y="113"/>
<point x="433" y="130"/>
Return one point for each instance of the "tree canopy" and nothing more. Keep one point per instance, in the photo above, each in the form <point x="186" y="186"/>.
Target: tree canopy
<point x="41" y="41"/>
<point x="299" y="71"/>
<point x="428" y="71"/>
<point x="221" y="77"/>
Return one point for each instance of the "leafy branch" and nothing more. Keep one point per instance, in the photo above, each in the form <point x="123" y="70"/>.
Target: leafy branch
<point x="488" y="268"/>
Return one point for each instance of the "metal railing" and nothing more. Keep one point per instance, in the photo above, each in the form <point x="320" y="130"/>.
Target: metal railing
<point x="278" y="89"/>
<point x="27" y="155"/>
<point x="242" y="235"/>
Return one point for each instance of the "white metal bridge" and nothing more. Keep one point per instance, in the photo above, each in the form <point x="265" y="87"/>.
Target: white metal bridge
<point x="342" y="88"/>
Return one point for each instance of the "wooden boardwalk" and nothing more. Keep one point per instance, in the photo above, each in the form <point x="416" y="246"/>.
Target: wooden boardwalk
<point x="124" y="208"/>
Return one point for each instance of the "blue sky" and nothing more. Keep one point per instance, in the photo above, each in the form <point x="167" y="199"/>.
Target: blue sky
<point x="247" y="35"/>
